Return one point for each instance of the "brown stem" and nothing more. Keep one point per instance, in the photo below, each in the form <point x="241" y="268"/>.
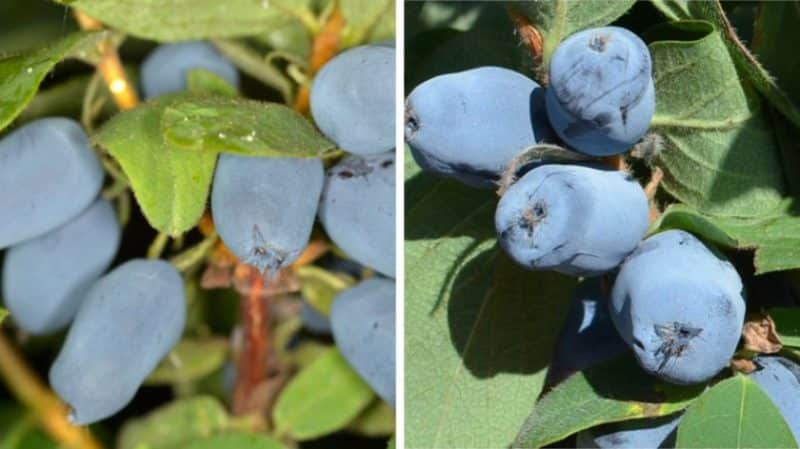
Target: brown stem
<point x="528" y="33"/>
<point x="252" y="363"/>
<point x="26" y="386"/>
<point x="325" y="46"/>
<point x="110" y="67"/>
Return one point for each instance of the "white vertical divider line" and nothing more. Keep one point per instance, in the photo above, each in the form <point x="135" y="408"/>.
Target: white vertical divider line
<point x="400" y="45"/>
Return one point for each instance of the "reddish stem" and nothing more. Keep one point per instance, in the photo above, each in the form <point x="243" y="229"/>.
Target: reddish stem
<point x="252" y="363"/>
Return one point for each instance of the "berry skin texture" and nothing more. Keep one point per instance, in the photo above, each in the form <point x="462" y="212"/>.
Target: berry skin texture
<point x="601" y="97"/>
<point x="131" y="318"/>
<point x="469" y="125"/>
<point x="637" y="433"/>
<point x="576" y="220"/>
<point x="357" y="209"/>
<point x="679" y="306"/>
<point x="264" y="208"/>
<point x="48" y="176"/>
<point x="362" y="318"/>
<point x="588" y="336"/>
<point x="46" y="278"/>
<point x="165" y="69"/>
<point x="779" y="377"/>
<point x="352" y="99"/>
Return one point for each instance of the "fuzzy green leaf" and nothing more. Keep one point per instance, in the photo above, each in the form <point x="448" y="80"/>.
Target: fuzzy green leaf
<point x="597" y="396"/>
<point x="21" y="74"/>
<point x="735" y="413"/>
<point x="175" y="424"/>
<point x="190" y="360"/>
<point x="323" y="398"/>
<point x="177" y="20"/>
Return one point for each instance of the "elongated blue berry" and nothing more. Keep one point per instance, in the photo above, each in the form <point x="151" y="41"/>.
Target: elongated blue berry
<point x="264" y="208"/>
<point x="362" y="318"/>
<point x="470" y="125"/>
<point x="165" y="69"/>
<point x="48" y="175"/>
<point x="46" y="278"/>
<point x="679" y="305"/>
<point x="572" y="219"/>
<point x="352" y="99"/>
<point x="131" y="318"/>
<point x="358" y="209"/>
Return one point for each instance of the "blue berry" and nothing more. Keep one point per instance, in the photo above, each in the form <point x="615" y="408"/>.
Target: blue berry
<point x="601" y="97"/>
<point x="638" y="433"/>
<point x="315" y="321"/>
<point x="573" y="219"/>
<point x="352" y="99"/>
<point x="165" y="69"/>
<point x="362" y="318"/>
<point x="264" y="208"/>
<point x="679" y="306"/>
<point x="46" y="278"/>
<point x="469" y="125"/>
<point x="588" y="336"/>
<point x="358" y="209"/>
<point x="48" y="175"/>
<point x="779" y="377"/>
<point x="130" y="319"/>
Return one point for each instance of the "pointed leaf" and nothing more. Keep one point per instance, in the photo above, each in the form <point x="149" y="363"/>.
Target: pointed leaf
<point x="735" y="413"/>
<point x="323" y="398"/>
<point x="174" y="424"/>
<point x="190" y="360"/>
<point x="177" y="20"/>
<point x="21" y="74"/>
<point x="376" y="421"/>
<point x="320" y="286"/>
<point x="597" y="396"/>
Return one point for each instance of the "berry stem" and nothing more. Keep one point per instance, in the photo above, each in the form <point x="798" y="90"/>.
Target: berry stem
<point x="252" y="363"/>
<point x="26" y="386"/>
<point x="110" y="67"/>
<point x="325" y="46"/>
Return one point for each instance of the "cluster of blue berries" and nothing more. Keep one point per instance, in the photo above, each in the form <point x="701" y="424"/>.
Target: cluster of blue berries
<point x="672" y="301"/>
<point x="121" y="324"/>
<point x="265" y="208"/>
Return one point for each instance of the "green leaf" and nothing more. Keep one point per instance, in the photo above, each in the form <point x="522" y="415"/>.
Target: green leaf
<point x="170" y="184"/>
<point x="234" y="440"/>
<point x="168" y="147"/>
<point x="479" y="329"/>
<point x="3" y="314"/>
<point x="776" y="33"/>
<point x="200" y="81"/>
<point x="190" y="360"/>
<point x="376" y="421"/>
<point x="177" y="20"/>
<point x="21" y="74"/>
<point x="319" y="286"/>
<point x="236" y="125"/>
<point x="392" y="442"/>
<point x="773" y="235"/>
<point x="718" y="151"/>
<point x="747" y="63"/>
<point x="787" y="324"/>
<point x="597" y="396"/>
<point x="673" y="9"/>
<point x="557" y="19"/>
<point x="735" y="413"/>
<point x="323" y="398"/>
<point x="175" y="424"/>
<point x="361" y="17"/>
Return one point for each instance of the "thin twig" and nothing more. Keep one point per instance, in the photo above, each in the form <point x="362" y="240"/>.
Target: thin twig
<point x="51" y="413"/>
<point x="110" y="68"/>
